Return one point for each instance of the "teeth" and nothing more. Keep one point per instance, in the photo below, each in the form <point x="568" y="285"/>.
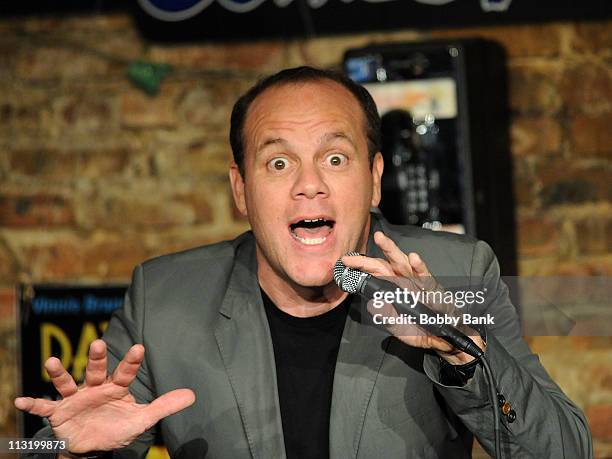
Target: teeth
<point x="313" y="220"/>
<point x="310" y="241"/>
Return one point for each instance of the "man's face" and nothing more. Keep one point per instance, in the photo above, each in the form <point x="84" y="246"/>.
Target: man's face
<point x="308" y="185"/>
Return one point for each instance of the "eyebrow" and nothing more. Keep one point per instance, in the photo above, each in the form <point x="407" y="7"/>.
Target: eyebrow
<point x="273" y="141"/>
<point x="336" y="135"/>
<point x="324" y="139"/>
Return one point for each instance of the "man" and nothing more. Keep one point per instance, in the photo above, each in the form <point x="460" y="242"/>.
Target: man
<point x="253" y="351"/>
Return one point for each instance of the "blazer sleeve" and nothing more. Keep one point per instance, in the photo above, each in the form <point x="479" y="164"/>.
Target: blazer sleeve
<point x="547" y="423"/>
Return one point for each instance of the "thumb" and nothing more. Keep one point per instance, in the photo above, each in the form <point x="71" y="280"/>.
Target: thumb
<point x="167" y="404"/>
<point x="37" y="406"/>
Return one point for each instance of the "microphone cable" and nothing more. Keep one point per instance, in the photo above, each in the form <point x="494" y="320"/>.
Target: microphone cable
<point x="352" y="280"/>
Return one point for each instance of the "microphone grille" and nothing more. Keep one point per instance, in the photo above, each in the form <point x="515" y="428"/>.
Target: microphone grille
<point x="348" y="279"/>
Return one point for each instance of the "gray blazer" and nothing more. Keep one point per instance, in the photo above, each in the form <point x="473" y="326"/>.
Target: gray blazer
<point x="200" y="317"/>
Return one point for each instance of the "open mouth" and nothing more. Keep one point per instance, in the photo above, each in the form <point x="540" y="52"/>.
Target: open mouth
<point x="312" y="231"/>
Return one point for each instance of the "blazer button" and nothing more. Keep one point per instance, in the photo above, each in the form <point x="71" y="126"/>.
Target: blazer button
<point x="511" y="416"/>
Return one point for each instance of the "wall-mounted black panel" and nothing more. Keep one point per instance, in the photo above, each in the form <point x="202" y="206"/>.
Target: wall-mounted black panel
<point x="445" y="136"/>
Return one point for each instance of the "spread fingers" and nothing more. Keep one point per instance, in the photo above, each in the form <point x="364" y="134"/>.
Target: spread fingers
<point x="127" y="369"/>
<point x="60" y="378"/>
<point x="95" y="374"/>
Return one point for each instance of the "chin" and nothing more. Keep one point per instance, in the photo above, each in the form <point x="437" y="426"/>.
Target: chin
<point x="313" y="276"/>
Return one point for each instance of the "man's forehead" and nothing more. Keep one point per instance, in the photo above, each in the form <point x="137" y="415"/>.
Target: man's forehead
<point x="283" y="92"/>
<point x="292" y="88"/>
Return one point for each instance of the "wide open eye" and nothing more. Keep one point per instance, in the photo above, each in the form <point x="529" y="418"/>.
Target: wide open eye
<point x="278" y="164"/>
<point x="336" y="159"/>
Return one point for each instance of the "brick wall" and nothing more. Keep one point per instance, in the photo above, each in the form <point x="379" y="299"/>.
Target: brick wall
<point x="95" y="176"/>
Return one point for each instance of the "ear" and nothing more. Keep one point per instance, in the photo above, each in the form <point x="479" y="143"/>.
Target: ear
<point x="377" y="171"/>
<point x="237" y="183"/>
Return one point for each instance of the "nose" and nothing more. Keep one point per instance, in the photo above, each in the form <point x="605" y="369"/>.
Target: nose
<point x="310" y="183"/>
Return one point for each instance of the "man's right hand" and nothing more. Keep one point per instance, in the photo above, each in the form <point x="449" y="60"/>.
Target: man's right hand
<point x="101" y="414"/>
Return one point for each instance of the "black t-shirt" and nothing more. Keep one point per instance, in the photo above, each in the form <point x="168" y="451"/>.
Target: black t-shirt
<point x="305" y="352"/>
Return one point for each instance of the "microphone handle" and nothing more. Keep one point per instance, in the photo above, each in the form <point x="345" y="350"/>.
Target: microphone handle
<point x="447" y="332"/>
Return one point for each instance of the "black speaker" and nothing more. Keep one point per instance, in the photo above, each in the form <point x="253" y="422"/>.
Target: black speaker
<point x="445" y="136"/>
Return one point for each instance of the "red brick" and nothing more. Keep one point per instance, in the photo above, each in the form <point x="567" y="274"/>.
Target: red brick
<point x="101" y="163"/>
<point x="602" y="449"/>
<point x="24" y="111"/>
<point x="176" y="241"/>
<point x="209" y="106"/>
<point x="198" y="107"/>
<point x="586" y="87"/>
<point x="83" y="23"/>
<point x="592" y="135"/>
<point x="141" y="111"/>
<point x="35" y="210"/>
<point x="51" y="262"/>
<point x="202" y="209"/>
<point x="144" y="207"/>
<point x="6" y="113"/>
<point x="20" y="110"/>
<point x="43" y="162"/>
<point x="7" y="61"/>
<point x="565" y="182"/>
<point x="8" y="265"/>
<point x="8" y="370"/>
<point x="257" y="57"/>
<point x="8" y="301"/>
<point x="537" y="235"/>
<point x="592" y="37"/>
<point x="586" y="343"/>
<point x="600" y="421"/>
<point x="534" y="90"/>
<point x="589" y="267"/>
<point x="535" y="136"/>
<point x="592" y="324"/>
<point x="86" y="114"/>
<point x="114" y="258"/>
<point x="201" y="158"/>
<point x="123" y="44"/>
<point x="98" y="256"/>
<point x="42" y="63"/>
<point x="51" y="163"/>
<point x="594" y="235"/>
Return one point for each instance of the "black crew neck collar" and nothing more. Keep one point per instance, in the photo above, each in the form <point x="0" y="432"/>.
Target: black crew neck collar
<point x="328" y="317"/>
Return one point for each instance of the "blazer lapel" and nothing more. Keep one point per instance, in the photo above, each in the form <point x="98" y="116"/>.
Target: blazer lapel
<point x="243" y="337"/>
<point x="361" y="353"/>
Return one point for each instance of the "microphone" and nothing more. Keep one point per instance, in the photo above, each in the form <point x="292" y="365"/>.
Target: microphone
<point x="352" y="280"/>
